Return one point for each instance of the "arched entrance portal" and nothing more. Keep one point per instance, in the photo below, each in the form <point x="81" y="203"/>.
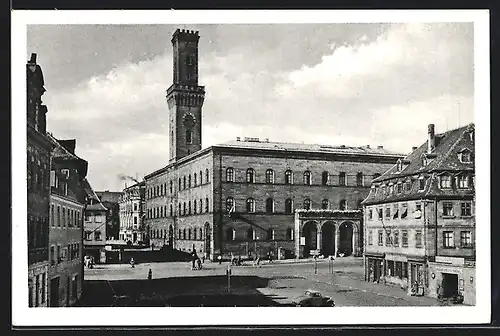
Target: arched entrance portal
<point x="328" y="239"/>
<point x="309" y="231"/>
<point x="170" y="237"/>
<point x="207" y="240"/>
<point x="345" y="237"/>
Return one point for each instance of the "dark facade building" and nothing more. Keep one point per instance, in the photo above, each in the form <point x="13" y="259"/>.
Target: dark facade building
<point x="420" y="219"/>
<point x="67" y="203"/>
<point x="240" y="197"/>
<point x="111" y="199"/>
<point x="38" y="152"/>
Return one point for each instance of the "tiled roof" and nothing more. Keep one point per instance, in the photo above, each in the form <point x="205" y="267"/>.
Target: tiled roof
<point x="109" y="196"/>
<point x="59" y="151"/>
<point x="299" y="147"/>
<point x="89" y="191"/>
<point x="444" y="158"/>
<point x="97" y="206"/>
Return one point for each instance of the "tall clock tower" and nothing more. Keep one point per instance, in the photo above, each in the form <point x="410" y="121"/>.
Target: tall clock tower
<point x="185" y="97"/>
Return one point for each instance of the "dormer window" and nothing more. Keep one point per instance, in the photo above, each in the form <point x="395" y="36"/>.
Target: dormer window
<point x="445" y="181"/>
<point x="465" y="156"/>
<point x="399" y="166"/>
<point x="399" y="188"/>
<point x="65" y="173"/>
<point x="424" y="161"/>
<point x="463" y="181"/>
<point x="421" y="183"/>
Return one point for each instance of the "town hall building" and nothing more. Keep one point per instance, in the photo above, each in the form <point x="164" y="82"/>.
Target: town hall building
<point x="243" y="196"/>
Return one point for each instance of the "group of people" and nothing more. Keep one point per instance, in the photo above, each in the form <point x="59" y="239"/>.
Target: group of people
<point x="88" y="261"/>
<point x="196" y="262"/>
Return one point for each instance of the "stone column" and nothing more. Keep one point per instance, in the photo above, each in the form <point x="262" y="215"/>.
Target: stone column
<point x="337" y="238"/>
<point x="318" y="236"/>
<point x="296" y="236"/>
<point x="355" y="240"/>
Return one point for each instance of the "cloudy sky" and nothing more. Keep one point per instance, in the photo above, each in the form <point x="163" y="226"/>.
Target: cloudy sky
<point x="352" y="84"/>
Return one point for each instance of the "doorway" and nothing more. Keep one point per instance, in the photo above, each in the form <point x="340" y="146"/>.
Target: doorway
<point x="450" y="285"/>
<point x="207" y="240"/>
<point x="328" y="239"/>
<point x="345" y="233"/>
<point x="309" y="231"/>
<point x="54" y="292"/>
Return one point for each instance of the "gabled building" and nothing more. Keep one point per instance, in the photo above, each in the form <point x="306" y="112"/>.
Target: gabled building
<point x="94" y="235"/>
<point x="111" y="200"/>
<point x="67" y="203"/>
<point x="420" y="219"/>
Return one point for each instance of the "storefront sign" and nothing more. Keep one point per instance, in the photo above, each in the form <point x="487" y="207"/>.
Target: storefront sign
<point x="450" y="260"/>
<point x="396" y="257"/>
<point x="450" y="270"/>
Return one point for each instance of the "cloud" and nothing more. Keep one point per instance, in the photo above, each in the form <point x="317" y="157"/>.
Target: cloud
<point x="376" y="84"/>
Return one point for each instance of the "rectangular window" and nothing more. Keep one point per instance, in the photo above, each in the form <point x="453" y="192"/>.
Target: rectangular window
<point x="97" y="235"/>
<point x="370" y="237"/>
<point x="465" y="239"/>
<point x="59" y="256"/>
<point x="466" y="209"/>
<point x="421" y="184"/>
<point x="52" y="255"/>
<point x="395" y="211"/>
<point x="418" y="238"/>
<point x="379" y="214"/>
<point x="388" y="238"/>
<point x="53" y="178"/>
<point x="447" y="209"/>
<point x="404" y="238"/>
<point x="399" y="188"/>
<point x="98" y="219"/>
<point x="448" y="239"/>
<point x="445" y="181"/>
<point x="380" y="237"/>
<point x="404" y="210"/>
<point x="387" y="212"/>
<point x="395" y="241"/>
<point x="463" y="181"/>
<point x="370" y="214"/>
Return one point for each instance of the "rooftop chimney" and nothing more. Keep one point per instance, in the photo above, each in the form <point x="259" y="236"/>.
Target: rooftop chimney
<point x="431" y="138"/>
<point x="368" y="146"/>
<point x="380" y="147"/>
<point x="70" y="145"/>
<point x="413" y="149"/>
<point x="238" y="139"/>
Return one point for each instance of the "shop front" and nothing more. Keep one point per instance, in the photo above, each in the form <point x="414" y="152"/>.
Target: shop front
<point x="417" y="281"/>
<point x="374" y="267"/>
<point x="452" y="279"/>
<point x="396" y="270"/>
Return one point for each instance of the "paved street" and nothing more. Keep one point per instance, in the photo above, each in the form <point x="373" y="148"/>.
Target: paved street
<point x="276" y="284"/>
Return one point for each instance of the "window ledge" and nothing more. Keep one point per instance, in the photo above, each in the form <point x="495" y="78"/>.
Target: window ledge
<point x="468" y="216"/>
<point x="449" y="217"/>
<point x="449" y="247"/>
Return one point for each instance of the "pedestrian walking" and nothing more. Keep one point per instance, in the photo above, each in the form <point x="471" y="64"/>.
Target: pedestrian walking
<point x="194" y="257"/>
<point x="219" y="257"/>
<point x="150" y="274"/>
<point x="132" y="262"/>
<point x="203" y="258"/>
<point x="199" y="263"/>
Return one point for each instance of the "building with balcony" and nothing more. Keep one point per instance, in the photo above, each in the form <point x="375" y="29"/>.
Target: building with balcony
<point x="132" y="212"/>
<point x="419" y="219"/>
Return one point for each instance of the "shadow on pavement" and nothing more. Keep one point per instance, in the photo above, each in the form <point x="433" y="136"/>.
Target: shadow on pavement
<point x="205" y="291"/>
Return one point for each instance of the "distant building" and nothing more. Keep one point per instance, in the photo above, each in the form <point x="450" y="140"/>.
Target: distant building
<point x="38" y="152"/>
<point x="111" y="199"/>
<point x="132" y="213"/>
<point x="420" y="219"/>
<point x="67" y="202"/>
<point x="240" y="197"/>
<point x="94" y="236"/>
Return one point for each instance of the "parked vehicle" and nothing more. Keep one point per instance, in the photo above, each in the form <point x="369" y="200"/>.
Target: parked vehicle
<point x="313" y="298"/>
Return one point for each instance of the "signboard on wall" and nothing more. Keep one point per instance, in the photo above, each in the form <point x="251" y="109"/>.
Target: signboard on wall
<point x="302" y="241"/>
<point x="450" y="260"/>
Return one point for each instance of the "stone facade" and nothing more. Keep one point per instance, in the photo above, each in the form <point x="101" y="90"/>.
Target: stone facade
<point x="38" y="169"/>
<point x="132" y="215"/>
<point x="204" y="199"/>
<point x="421" y="210"/>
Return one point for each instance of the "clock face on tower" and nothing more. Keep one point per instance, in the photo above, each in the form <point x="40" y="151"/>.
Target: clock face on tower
<point x="189" y="120"/>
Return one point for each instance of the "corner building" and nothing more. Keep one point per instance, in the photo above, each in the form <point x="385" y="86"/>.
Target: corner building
<point x="240" y="197"/>
<point x="38" y="161"/>
<point x="420" y="219"/>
